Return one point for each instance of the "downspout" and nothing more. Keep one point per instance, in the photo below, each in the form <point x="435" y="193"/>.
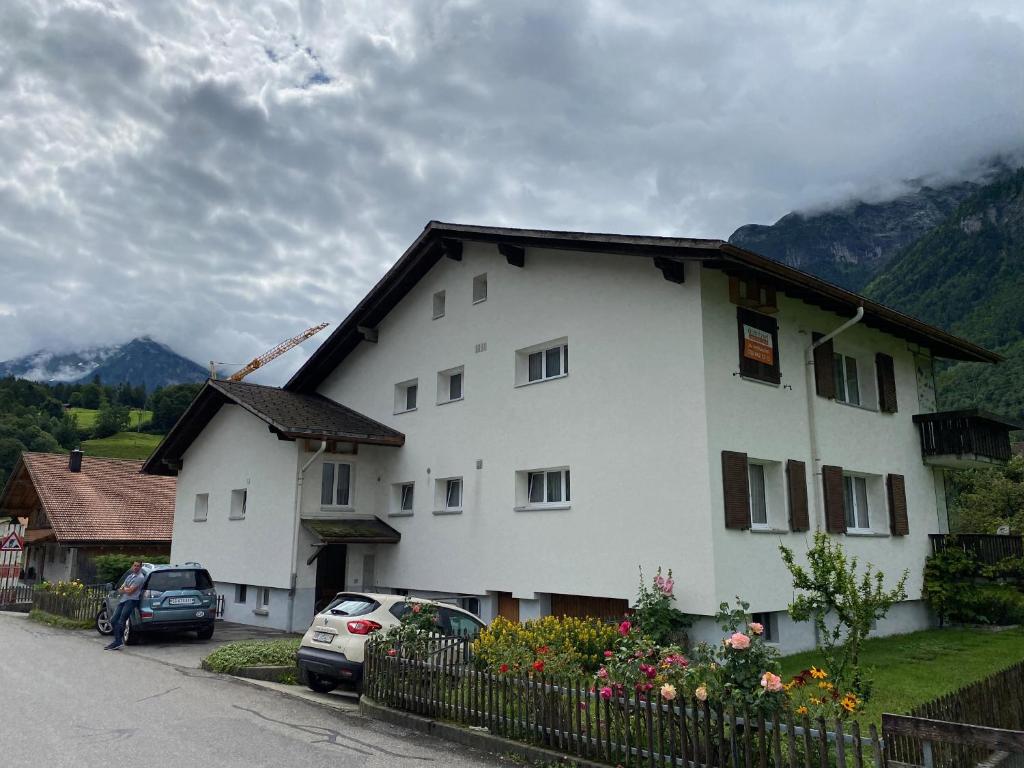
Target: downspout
<point x="819" y="503"/>
<point x="295" y="531"/>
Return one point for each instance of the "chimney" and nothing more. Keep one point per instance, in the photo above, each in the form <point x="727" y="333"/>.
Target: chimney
<point x="75" y="461"/>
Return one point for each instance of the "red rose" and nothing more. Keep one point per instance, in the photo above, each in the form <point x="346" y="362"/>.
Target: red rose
<point x="503" y="668"/>
<point x="543" y="649"/>
<point x="538" y="666"/>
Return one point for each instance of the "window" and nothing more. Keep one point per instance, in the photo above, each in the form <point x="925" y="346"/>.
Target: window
<point x="438" y="304"/>
<point x="405" y="395"/>
<point x="458" y="623"/>
<point x="453" y="494"/>
<point x="405" y="498"/>
<point x="847" y="382"/>
<point x="480" y="288"/>
<point x="241" y="593"/>
<point x="202" y="508"/>
<point x="449" y="385"/>
<point x="238" y="500"/>
<point x="855" y="503"/>
<point x="769" y="624"/>
<point x="545" y="361"/>
<point x="550" y="486"/>
<point x="264" y="597"/>
<point x="758" y="346"/>
<point x="167" y="581"/>
<point x="758" y="497"/>
<point x="336" y="485"/>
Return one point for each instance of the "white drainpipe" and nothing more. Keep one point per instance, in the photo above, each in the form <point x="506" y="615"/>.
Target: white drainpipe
<point x="295" y="531"/>
<point x="819" y="504"/>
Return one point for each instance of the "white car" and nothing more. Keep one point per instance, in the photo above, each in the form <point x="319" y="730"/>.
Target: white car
<point x="332" y="648"/>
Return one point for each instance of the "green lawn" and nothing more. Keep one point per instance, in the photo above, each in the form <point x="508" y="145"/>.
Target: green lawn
<point x="123" y="445"/>
<point x="87" y="416"/>
<point x="911" y="669"/>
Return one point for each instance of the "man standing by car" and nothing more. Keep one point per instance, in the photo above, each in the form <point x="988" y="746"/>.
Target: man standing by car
<point x="131" y="591"/>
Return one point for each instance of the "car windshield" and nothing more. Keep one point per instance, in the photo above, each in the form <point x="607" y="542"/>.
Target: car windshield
<point x="166" y="581"/>
<point x="351" y="605"/>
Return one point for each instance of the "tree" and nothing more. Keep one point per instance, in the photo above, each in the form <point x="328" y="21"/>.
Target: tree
<point x="986" y="499"/>
<point x="111" y="420"/>
<point x="842" y="603"/>
<point x="169" y="403"/>
<point x="75" y="401"/>
<point x="91" y="395"/>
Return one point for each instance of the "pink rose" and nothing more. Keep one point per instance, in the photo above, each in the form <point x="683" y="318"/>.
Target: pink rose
<point x="602" y="673"/>
<point x="739" y="641"/>
<point x="701" y="693"/>
<point x="770" y="682"/>
<point x="624" y="628"/>
<point x="668" y="691"/>
<point x="392" y="652"/>
<point x="606" y="693"/>
<point x="649" y="671"/>
<point x="416" y="607"/>
<point x="756" y="628"/>
<point x="609" y="654"/>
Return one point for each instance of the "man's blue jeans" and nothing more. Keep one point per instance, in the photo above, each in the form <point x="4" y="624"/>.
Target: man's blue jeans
<point x="121" y="615"/>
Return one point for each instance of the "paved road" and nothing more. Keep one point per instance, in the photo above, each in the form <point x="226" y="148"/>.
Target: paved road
<point x="66" y="702"/>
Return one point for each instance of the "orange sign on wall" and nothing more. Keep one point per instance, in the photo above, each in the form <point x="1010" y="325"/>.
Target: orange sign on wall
<point x="757" y="345"/>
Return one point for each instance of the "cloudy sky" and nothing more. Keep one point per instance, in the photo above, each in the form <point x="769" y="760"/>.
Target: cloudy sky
<point x="220" y="175"/>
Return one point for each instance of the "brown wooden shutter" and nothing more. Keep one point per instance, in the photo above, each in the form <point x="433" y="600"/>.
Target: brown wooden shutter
<point x="824" y="368"/>
<point x="886" y="383"/>
<point x="899" y="524"/>
<point x="753" y="368"/>
<point x="796" y="480"/>
<point x="835" y="510"/>
<point x="736" y="485"/>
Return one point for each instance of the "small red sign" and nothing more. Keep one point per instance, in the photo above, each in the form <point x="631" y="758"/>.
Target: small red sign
<point x="12" y="543"/>
<point x="757" y="345"/>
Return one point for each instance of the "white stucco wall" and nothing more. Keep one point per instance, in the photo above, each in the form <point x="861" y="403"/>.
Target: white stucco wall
<point x="771" y="423"/>
<point x="237" y="451"/>
<point x="627" y="420"/>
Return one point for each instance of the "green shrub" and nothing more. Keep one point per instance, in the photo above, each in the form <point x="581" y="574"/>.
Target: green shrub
<point x="252" y="653"/>
<point x="558" y="644"/>
<point x="110" y="567"/>
<point x="998" y="605"/>
<point x="949" y="582"/>
<point x="60" y="622"/>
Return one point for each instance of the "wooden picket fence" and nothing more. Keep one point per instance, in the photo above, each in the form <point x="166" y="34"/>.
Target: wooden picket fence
<point x="995" y="702"/>
<point x="569" y="716"/>
<point x="15" y="596"/>
<point x="83" y="607"/>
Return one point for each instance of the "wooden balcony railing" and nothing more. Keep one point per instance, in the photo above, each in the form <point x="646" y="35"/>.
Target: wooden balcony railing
<point x="971" y="435"/>
<point x="987" y="548"/>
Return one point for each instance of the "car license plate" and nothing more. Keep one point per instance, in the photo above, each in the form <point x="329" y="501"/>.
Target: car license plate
<point x="323" y="637"/>
<point x="182" y="601"/>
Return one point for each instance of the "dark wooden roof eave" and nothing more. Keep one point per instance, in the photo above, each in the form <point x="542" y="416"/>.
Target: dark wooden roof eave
<point x="826" y="295"/>
<point x="343" y="438"/>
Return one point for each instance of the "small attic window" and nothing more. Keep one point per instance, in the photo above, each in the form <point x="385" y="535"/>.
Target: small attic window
<point x="480" y="288"/>
<point x="438" y="304"/>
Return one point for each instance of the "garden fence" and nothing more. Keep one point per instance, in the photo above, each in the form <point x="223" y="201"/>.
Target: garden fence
<point x="569" y="716"/>
<point x="15" y="596"/>
<point x="987" y="548"/>
<point x="80" y="607"/>
<point x="995" y="702"/>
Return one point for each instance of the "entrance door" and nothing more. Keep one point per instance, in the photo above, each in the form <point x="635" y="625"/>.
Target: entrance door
<point x="330" y="574"/>
<point x="508" y="606"/>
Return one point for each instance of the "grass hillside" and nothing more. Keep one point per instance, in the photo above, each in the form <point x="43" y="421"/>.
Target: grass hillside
<point x="86" y="417"/>
<point x="123" y="445"/>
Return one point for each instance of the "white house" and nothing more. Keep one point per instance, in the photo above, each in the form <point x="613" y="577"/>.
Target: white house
<point x="530" y="415"/>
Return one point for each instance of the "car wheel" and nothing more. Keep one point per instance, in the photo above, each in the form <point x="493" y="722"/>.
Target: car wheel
<point x="103" y="625"/>
<point x="132" y="636"/>
<point x="320" y="684"/>
<point x="205" y="634"/>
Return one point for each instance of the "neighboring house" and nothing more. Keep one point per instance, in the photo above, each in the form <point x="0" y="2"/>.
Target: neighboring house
<point x="562" y="408"/>
<point x="80" y="506"/>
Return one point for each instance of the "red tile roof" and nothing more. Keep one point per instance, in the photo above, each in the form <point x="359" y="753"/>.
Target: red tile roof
<point x="108" y="501"/>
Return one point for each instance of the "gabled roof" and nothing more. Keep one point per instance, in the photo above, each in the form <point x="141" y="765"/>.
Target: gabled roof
<point x="108" y="501"/>
<point x="290" y="415"/>
<point x="668" y="253"/>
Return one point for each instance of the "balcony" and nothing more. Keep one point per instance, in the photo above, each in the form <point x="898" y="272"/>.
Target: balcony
<point x="966" y="439"/>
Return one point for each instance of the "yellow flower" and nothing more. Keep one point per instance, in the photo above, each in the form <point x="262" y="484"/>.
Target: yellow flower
<point x="825" y="686"/>
<point x="818" y="674"/>
<point x="801" y="710"/>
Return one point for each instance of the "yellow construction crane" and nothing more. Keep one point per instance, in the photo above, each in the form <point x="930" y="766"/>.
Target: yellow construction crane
<point x="266" y="357"/>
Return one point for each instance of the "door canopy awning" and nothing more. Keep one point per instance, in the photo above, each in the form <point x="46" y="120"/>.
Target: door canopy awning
<point x="354" y="530"/>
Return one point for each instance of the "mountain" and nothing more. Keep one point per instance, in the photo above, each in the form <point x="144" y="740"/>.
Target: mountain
<point x="849" y="244"/>
<point x="140" y="361"/>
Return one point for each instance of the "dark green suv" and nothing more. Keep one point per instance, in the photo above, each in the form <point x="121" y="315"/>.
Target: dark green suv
<point x="175" y="598"/>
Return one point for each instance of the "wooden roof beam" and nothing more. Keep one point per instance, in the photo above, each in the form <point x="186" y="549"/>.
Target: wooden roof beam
<point x="514" y="254"/>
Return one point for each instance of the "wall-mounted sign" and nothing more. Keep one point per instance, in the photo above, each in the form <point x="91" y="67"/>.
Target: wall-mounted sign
<point x="757" y="345"/>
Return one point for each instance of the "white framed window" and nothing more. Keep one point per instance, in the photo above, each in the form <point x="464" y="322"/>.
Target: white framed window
<point x="264" y="597"/>
<point x="480" y="288"/>
<point x="758" y="495"/>
<point x="336" y="484"/>
<point x="847" y="380"/>
<point x="403" y="499"/>
<point x="406" y="393"/>
<point x="542" y="362"/>
<point x="438" y="304"/>
<point x="450" y="385"/>
<point x="543" y="489"/>
<point x="855" y="504"/>
<point x="448" y="496"/>
<point x="202" y="507"/>
<point x="241" y="593"/>
<point x="239" y="497"/>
